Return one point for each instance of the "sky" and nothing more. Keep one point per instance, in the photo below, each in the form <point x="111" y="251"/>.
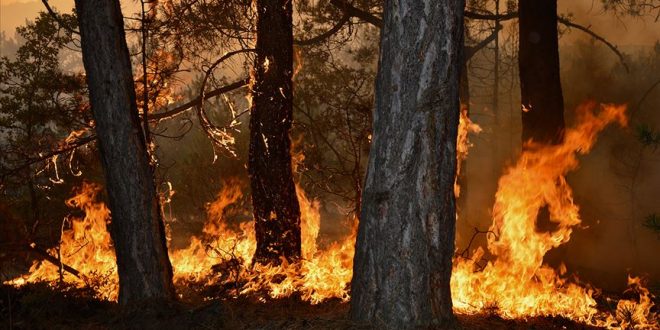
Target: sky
<point x="623" y="31"/>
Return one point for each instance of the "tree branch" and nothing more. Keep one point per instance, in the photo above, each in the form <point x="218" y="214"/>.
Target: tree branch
<point x="198" y="100"/>
<point x="48" y="257"/>
<point x="597" y="37"/>
<point x="57" y="18"/>
<point x="471" y="50"/>
<point x="562" y="20"/>
<point x="69" y="147"/>
<point x="326" y="34"/>
<point x="217" y="134"/>
<point x="353" y="11"/>
<point x="490" y="16"/>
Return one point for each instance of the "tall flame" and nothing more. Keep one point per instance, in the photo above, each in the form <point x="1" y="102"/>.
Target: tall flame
<point x="516" y="283"/>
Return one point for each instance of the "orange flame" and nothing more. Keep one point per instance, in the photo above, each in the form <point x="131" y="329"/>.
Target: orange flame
<point x="463" y="144"/>
<point x="517" y="283"/>
<point x="322" y="274"/>
<point x="85" y="246"/>
<point x="514" y="284"/>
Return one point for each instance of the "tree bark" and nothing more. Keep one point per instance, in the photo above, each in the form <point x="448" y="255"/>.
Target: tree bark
<point x="405" y="242"/>
<point x="274" y="201"/>
<point x="540" y="87"/>
<point x="137" y="228"/>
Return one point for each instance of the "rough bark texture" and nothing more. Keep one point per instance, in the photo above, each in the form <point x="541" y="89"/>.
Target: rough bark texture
<point x="137" y="229"/>
<point x="540" y="87"/>
<point x="274" y="200"/>
<point x="405" y="242"/>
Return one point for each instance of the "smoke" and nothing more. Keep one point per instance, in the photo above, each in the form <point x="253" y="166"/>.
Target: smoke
<point x="619" y="29"/>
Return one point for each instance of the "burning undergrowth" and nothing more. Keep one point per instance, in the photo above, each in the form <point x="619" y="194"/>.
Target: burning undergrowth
<point x="513" y="283"/>
<point x="220" y="258"/>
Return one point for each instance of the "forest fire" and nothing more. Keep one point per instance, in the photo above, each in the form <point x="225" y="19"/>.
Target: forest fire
<point x="516" y="282"/>
<point x="323" y="273"/>
<point x="220" y="256"/>
<point x="189" y="164"/>
<point x="85" y="247"/>
<point x="513" y="283"/>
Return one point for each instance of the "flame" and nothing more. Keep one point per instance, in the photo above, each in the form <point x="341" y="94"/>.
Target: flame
<point x="463" y="144"/>
<point x="631" y="314"/>
<point x="85" y="246"/>
<point x="323" y="273"/>
<point x="514" y="283"/>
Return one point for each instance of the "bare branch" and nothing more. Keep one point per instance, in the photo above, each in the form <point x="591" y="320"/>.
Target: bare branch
<point x="326" y="34"/>
<point x="217" y="134"/>
<point x="353" y="11"/>
<point x="641" y="100"/>
<point x="491" y="16"/>
<point x="586" y="30"/>
<point x="198" y="100"/>
<point x="57" y="18"/>
<point x="53" y="260"/>
<point x="70" y="147"/>
<point x="471" y="50"/>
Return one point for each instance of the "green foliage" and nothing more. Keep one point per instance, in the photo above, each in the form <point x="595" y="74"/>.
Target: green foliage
<point x="40" y="104"/>
<point x="647" y="136"/>
<point x="652" y="222"/>
<point x="632" y="7"/>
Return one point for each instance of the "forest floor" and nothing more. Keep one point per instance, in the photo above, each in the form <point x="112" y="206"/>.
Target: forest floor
<point x="39" y="306"/>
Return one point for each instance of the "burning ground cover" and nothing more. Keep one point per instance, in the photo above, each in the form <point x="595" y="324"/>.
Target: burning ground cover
<point x="508" y="279"/>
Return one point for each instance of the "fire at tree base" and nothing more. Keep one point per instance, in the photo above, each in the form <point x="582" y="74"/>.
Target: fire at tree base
<point x="512" y="282"/>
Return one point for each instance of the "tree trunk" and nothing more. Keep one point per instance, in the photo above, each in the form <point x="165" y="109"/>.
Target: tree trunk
<point x="540" y="87"/>
<point x="137" y="228"/>
<point x="405" y="242"/>
<point x="274" y="200"/>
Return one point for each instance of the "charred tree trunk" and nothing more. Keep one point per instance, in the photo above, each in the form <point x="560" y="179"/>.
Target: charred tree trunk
<point x="274" y="200"/>
<point x="405" y="242"/>
<point x="137" y="228"/>
<point x="540" y="87"/>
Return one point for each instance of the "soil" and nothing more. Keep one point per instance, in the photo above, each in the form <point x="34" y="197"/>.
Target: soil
<point x="40" y="306"/>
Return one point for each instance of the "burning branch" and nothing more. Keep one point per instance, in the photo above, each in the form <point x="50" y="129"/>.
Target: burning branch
<point x="198" y="100"/>
<point x="217" y="134"/>
<point x="69" y="148"/>
<point x="55" y="261"/>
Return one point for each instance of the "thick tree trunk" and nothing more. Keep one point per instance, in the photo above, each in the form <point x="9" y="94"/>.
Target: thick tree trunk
<point x="274" y="200"/>
<point x="540" y="87"/>
<point x="137" y="228"/>
<point x="405" y="242"/>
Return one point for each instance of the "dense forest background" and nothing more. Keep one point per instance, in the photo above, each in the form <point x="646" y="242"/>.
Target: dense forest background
<point x="616" y="185"/>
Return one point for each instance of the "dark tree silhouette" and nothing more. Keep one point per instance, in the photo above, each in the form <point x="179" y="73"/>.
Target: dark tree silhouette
<point x="405" y="242"/>
<point x="137" y="228"/>
<point x="274" y="201"/>
<point x="540" y="87"/>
